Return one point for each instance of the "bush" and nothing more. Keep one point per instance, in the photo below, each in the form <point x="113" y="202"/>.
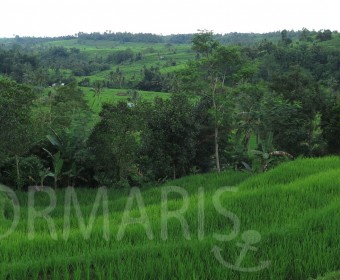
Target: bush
<point x="29" y="168"/>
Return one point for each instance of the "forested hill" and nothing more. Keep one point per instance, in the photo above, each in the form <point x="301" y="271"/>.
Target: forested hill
<point x="124" y="37"/>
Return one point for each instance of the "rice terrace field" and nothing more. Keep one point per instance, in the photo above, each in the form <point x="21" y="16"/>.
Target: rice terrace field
<point x="282" y="224"/>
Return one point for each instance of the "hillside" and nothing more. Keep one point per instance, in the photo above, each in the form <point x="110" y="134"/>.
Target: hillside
<point x="168" y="57"/>
<point x="289" y="214"/>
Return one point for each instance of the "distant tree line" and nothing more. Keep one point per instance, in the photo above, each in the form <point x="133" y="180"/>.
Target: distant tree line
<point x="125" y="37"/>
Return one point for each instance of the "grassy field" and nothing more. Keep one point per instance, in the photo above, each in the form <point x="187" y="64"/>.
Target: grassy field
<point x="331" y="276"/>
<point x="115" y="95"/>
<point x="153" y="54"/>
<point x="333" y="44"/>
<point x="290" y="215"/>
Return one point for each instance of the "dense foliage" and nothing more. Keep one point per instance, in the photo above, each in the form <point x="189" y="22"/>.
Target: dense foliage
<point x="243" y="107"/>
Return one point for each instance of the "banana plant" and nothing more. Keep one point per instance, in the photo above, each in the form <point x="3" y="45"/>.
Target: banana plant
<point x="73" y="174"/>
<point x="43" y="174"/>
<point x="267" y="154"/>
<point x="71" y="143"/>
<point x="57" y="163"/>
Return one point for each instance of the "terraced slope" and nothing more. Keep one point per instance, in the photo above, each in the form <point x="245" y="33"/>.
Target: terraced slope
<point x="283" y="224"/>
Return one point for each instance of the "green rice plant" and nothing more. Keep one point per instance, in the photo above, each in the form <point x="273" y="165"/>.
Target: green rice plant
<point x="294" y="207"/>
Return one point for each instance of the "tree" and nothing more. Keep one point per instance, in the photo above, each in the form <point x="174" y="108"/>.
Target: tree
<point x="16" y="129"/>
<point x="69" y="147"/>
<point x="332" y="129"/>
<point x="63" y="131"/>
<point x="97" y="89"/>
<point x="121" y="56"/>
<point x="152" y="79"/>
<point x="263" y="117"/>
<point x="324" y="35"/>
<point x="284" y="37"/>
<point x="297" y="86"/>
<point x="266" y="156"/>
<point x="204" y="142"/>
<point x="204" y="43"/>
<point x="134" y="96"/>
<point x="208" y="77"/>
<point x="169" y="137"/>
<point x="110" y="77"/>
<point x="119" y="78"/>
<point x="113" y="143"/>
<point x="305" y="35"/>
<point x="68" y="105"/>
<point x="57" y="164"/>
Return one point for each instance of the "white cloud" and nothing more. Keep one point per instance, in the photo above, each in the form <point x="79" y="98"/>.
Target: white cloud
<point x="63" y="17"/>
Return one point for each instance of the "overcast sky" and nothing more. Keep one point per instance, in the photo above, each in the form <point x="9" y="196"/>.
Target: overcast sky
<point x="67" y="17"/>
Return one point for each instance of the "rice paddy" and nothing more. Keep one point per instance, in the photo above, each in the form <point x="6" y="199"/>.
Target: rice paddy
<point x="290" y="216"/>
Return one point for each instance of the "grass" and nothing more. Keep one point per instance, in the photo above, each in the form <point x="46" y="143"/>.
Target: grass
<point x="333" y="44"/>
<point x="331" y="276"/>
<point x="3" y="202"/>
<point x="153" y="54"/>
<point x="115" y="95"/>
<point x="295" y="209"/>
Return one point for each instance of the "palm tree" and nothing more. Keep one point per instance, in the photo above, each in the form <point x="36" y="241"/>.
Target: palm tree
<point x="97" y="89"/>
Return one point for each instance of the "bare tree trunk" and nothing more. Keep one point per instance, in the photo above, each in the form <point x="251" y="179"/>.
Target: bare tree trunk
<point x="17" y="170"/>
<point x="174" y="171"/>
<point x="217" y="156"/>
<point x="50" y="110"/>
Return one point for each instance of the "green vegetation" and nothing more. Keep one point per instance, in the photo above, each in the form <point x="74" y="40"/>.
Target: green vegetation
<point x="330" y="276"/>
<point x="116" y="95"/>
<point x="249" y="107"/>
<point x="294" y="207"/>
<point x="139" y="113"/>
<point x="3" y="202"/>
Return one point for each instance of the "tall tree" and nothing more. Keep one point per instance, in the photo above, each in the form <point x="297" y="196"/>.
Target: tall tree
<point x="16" y="129"/>
<point x="208" y="77"/>
<point x="113" y="143"/>
<point x="97" y="89"/>
<point x="169" y="137"/>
